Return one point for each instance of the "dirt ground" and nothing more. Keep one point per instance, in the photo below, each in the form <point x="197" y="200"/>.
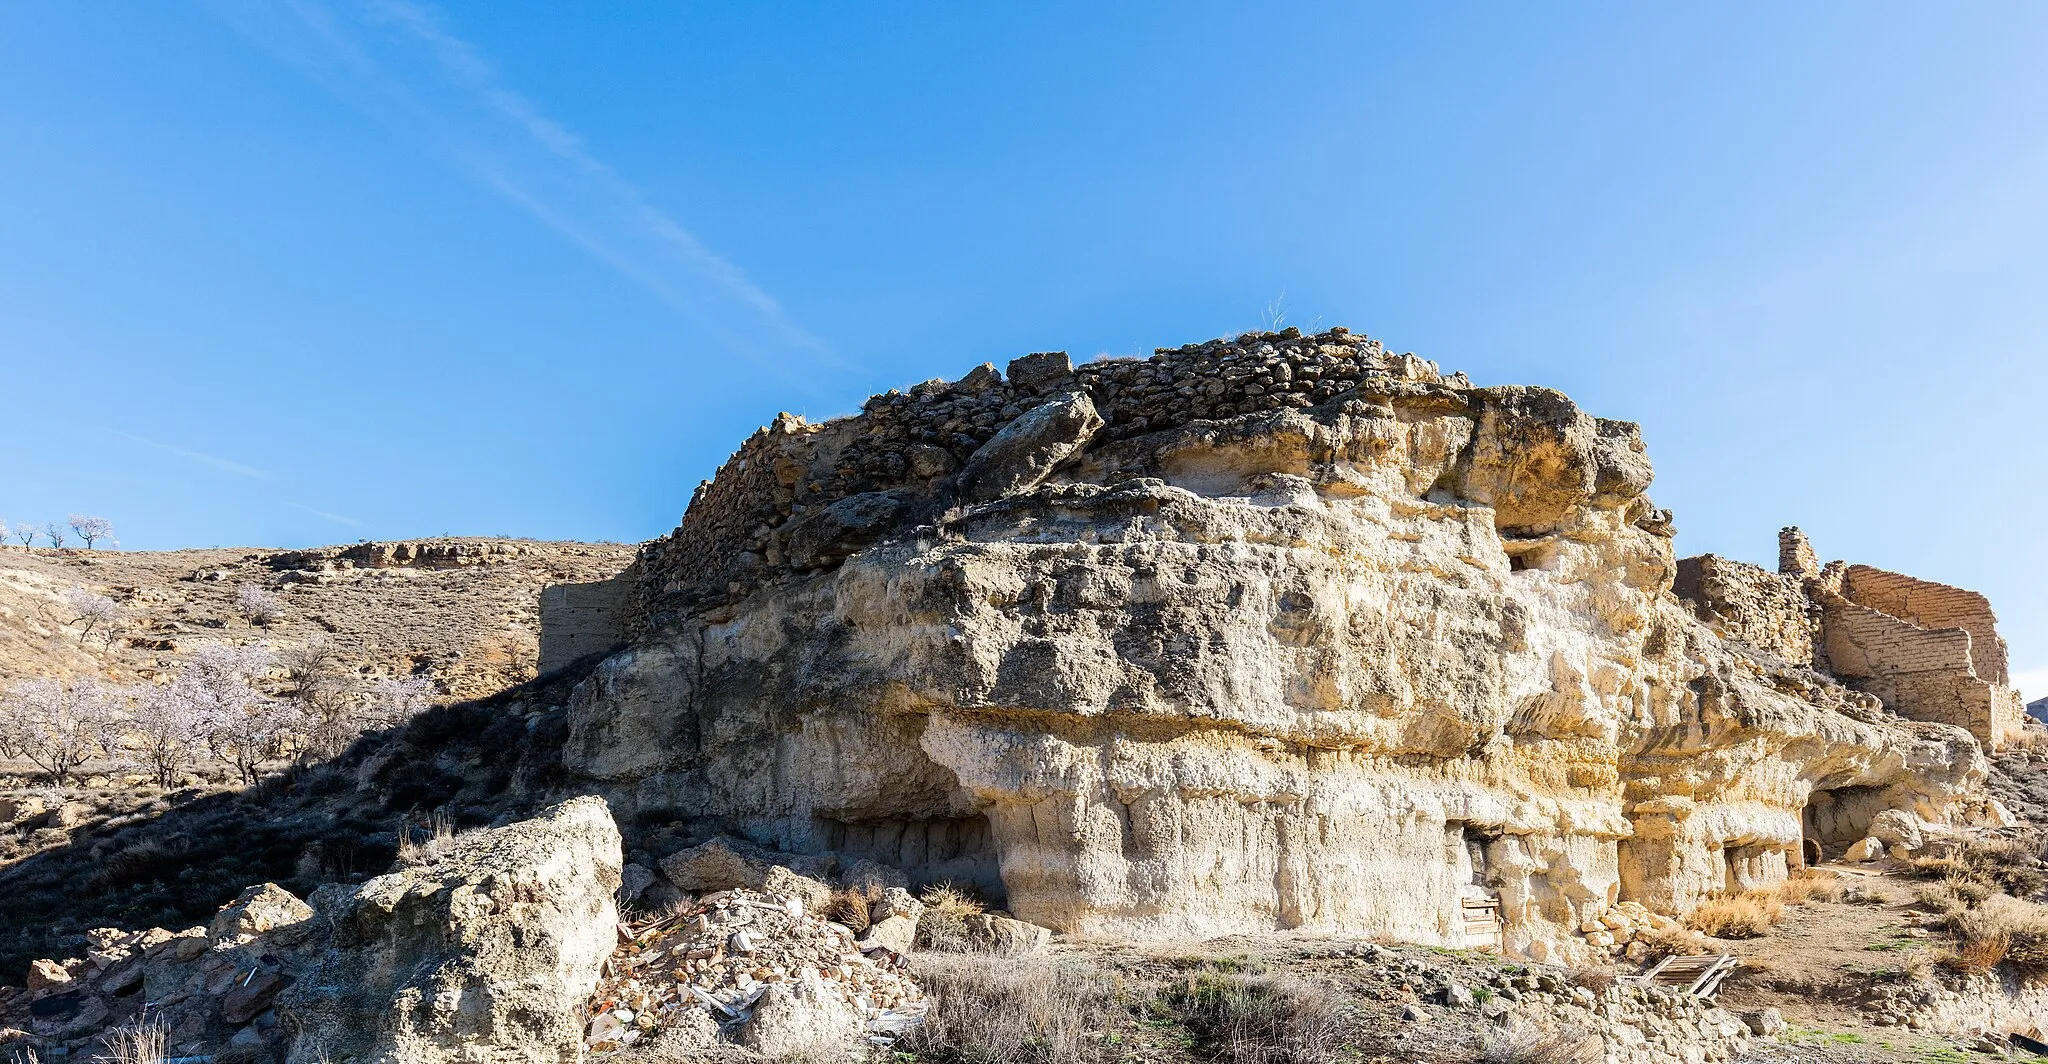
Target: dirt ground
<point x="1816" y="965"/>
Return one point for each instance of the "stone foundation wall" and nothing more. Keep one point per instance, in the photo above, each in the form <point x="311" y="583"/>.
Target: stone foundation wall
<point x="578" y="620"/>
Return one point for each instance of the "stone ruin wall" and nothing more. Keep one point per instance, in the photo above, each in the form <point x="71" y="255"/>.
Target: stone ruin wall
<point x="1928" y="651"/>
<point x="1766" y="610"/>
<point x="1926" y="604"/>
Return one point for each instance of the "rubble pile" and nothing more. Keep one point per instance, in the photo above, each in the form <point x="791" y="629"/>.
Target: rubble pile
<point x="207" y="987"/>
<point x="719" y="959"/>
<point x="1637" y="933"/>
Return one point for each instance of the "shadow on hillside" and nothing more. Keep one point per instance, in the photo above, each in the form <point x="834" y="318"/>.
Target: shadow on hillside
<point x="335" y="820"/>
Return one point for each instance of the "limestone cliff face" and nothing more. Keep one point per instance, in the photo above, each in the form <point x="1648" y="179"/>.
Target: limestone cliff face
<point x="1278" y="632"/>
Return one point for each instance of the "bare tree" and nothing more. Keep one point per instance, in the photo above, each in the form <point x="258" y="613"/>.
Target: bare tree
<point x="54" y="532"/>
<point x="393" y="701"/>
<point x="55" y="727"/>
<point x="92" y="611"/>
<point x="258" y="605"/>
<point x="24" y="532"/>
<point x="327" y="695"/>
<point x="90" y="528"/>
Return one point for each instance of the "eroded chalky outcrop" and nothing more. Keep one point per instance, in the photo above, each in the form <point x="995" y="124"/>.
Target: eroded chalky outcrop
<point x="1278" y="632"/>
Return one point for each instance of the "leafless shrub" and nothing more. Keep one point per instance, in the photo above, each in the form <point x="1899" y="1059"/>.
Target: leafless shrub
<point x="91" y="611"/>
<point x="57" y="727"/>
<point x="54" y="532"/>
<point x="90" y="529"/>
<point x="259" y="605"/>
<point x="989" y="1010"/>
<point x="1597" y="978"/>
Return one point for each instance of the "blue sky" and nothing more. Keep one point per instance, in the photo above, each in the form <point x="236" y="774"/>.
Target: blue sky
<point x="291" y="273"/>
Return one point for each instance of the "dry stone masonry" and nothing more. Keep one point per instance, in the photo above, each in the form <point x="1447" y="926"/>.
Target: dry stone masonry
<point x="1927" y="651"/>
<point x="1275" y="632"/>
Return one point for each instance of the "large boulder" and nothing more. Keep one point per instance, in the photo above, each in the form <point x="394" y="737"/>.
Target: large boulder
<point x="730" y="864"/>
<point x="1027" y="450"/>
<point x="487" y="954"/>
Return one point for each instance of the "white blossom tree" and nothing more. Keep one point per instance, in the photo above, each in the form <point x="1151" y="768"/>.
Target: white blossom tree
<point x="54" y="532"/>
<point x="57" y="727"/>
<point x="257" y="604"/>
<point x="24" y="532"/>
<point x="245" y="726"/>
<point x="90" y="529"/>
<point x="92" y="611"/>
<point x="169" y="728"/>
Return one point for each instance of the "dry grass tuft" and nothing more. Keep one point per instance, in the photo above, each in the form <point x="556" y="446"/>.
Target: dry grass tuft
<point x="988" y="1010"/>
<point x="1810" y="885"/>
<point x="1745" y="915"/>
<point x="2001" y="928"/>
<point x="140" y="1044"/>
<point x="440" y="834"/>
<point x="944" y="924"/>
<point x="1263" y="1019"/>
<point x="1560" y="1045"/>
<point x="1978" y="954"/>
<point x="850" y="907"/>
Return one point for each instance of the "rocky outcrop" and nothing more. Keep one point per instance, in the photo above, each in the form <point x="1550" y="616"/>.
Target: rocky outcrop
<point x="1304" y="634"/>
<point x="488" y="953"/>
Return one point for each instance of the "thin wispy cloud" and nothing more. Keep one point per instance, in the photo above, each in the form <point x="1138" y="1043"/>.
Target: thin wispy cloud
<point x="339" y="519"/>
<point x="215" y="461"/>
<point x="402" y="62"/>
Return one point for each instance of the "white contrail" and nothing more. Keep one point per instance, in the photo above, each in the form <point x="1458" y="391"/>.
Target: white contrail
<point x="398" y="60"/>
<point x="201" y="457"/>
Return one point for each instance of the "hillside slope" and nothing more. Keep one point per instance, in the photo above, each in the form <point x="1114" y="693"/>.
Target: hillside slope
<point x="464" y="612"/>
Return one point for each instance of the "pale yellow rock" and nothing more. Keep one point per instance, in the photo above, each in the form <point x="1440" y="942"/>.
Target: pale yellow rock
<point x="1324" y="667"/>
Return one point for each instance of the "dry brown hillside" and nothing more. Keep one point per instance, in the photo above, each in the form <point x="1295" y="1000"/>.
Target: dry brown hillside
<point x="463" y="611"/>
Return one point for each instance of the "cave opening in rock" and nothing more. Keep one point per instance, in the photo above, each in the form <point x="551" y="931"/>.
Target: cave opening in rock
<point x="957" y="850"/>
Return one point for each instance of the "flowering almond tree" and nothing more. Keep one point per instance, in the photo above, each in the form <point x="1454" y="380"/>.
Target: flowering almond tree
<point x="56" y="727"/>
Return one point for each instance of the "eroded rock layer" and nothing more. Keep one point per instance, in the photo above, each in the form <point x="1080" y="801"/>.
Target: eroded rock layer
<point x="1276" y="632"/>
